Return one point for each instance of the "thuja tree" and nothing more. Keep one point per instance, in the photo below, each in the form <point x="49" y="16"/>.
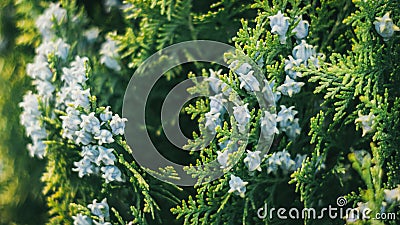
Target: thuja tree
<point x="359" y="94"/>
<point x="90" y="176"/>
<point x="336" y="124"/>
<point x="329" y="135"/>
<point x="79" y="72"/>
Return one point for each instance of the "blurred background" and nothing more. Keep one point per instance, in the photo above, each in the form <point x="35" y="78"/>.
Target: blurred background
<point x="21" y="198"/>
<point x="21" y="201"/>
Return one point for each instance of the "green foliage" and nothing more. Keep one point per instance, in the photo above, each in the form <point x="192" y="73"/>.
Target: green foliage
<point x="358" y="81"/>
<point x="350" y="83"/>
<point x="157" y="24"/>
<point x="348" y="111"/>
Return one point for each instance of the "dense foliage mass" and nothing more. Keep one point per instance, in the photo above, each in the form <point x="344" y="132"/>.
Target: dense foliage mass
<point x="328" y="136"/>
